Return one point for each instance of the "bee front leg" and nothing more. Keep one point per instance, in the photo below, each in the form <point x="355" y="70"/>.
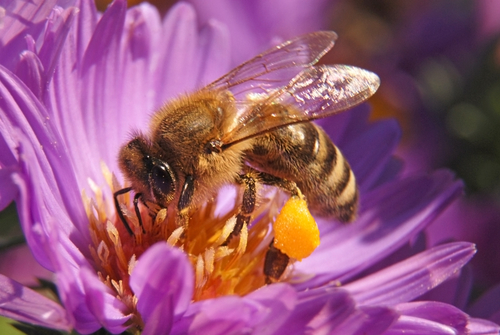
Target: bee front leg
<point x="137" y="198"/>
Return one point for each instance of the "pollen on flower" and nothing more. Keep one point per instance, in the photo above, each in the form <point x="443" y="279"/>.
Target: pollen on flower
<point x="220" y="268"/>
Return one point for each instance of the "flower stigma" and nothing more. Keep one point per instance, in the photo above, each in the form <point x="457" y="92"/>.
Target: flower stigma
<point x="221" y="268"/>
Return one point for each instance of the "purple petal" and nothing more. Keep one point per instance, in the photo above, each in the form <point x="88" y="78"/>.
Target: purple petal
<point x="409" y="279"/>
<point x="224" y="315"/>
<point x="48" y="158"/>
<point x="177" y="75"/>
<point x="482" y="327"/>
<point x="367" y="320"/>
<point x="455" y="291"/>
<point x="264" y="311"/>
<point x="9" y="190"/>
<point x="488" y="304"/>
<point x="22" y="304"/>
<point x="413" y="325"/>
<point x="22" y="18"/>
<point x="277" y="302"/>
<point x="30" y="70"/>
<point x="70" y="264"/>
<point x="214" y="54"/>
<point x="30" y="270"/>
<point x="319" y="308"/>
<point x="100" y="82"/>
<point x="103" y="303"/>
<point x="369" y="152"/>
<point x="256" y="25"/>
<point x="445" y="314"/>
<point x="163" y="282"/>
<point x="389" y="217"/>
<point x="58" y="25"/>
<point x="34" y="233"/>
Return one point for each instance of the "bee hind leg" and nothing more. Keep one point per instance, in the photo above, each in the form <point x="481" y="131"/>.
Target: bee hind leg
<point x="275" y="262"/>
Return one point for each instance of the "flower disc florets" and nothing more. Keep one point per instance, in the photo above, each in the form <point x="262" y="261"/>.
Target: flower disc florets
<point x="220" y="269"/>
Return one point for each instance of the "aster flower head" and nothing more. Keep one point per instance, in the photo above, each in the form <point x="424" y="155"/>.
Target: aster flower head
<point x="74" y="82"/>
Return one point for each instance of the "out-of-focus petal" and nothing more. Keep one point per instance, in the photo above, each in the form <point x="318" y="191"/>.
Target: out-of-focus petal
<point x="414" y="325"/>
<point x="163" y="282"/>
<point x="19" y="264"/>
<point x="256" y="25"/>
<point x="178" y="53"/>
<point x="483" y="327"/>
<point x="377" y="145"/>
<point x="431" y="317"/>
<point x="21" y="303"/>
<point x="9" y="190"/>
<point x="214" y="52"/>
<point x="445" y="314"/>
<point x="411" y="278"/>
<point x="488" y="304"/>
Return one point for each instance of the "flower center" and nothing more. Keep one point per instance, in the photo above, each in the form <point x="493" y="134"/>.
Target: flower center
<point x="220" y="269"/>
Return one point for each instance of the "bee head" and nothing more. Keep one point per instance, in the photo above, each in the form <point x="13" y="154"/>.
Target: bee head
<point x="147" y="173"/>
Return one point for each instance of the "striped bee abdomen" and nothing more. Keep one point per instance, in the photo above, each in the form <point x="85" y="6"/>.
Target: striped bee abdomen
<point x="304" y="153"/>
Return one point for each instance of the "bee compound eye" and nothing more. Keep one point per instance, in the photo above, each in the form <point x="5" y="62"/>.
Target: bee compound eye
<point x="162" y="179"/>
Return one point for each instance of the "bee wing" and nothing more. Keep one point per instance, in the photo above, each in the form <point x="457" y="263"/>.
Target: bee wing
<point x="316" y="92"/>
<point x="276" y="66"/>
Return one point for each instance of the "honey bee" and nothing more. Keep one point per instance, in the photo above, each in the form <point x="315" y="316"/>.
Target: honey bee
<point x="252" y="126"/>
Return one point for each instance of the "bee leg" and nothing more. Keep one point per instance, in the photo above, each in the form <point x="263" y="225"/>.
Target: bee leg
<point x="119" y="210"/>
<point x="275" y="264"/>
<point x="185" y="201"/>
<point x="247" y="205"/>
<point x="137" y="197"/>
<point x="284" y="184"/>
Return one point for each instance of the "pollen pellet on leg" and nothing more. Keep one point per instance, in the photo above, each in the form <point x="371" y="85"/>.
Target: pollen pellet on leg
<point x="295" y="231"/>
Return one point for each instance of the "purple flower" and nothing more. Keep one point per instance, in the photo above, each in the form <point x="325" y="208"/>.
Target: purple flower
<point x="74" y="83"/>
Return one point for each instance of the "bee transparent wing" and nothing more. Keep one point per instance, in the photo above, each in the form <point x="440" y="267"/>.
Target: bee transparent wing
<point x="315" y="93"/>
<point x="276" y="66"/>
